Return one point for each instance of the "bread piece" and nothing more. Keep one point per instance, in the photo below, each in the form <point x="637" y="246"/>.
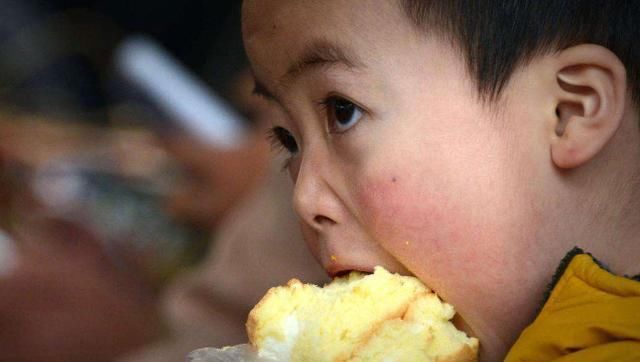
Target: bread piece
<point x="359" y="317"/>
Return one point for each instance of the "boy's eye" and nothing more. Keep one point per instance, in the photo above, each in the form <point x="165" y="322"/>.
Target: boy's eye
<point x="281" y="138"/>
<point x="342" y="114"/>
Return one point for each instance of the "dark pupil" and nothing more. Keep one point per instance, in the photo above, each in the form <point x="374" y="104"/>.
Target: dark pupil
<point x="287" y="140"/>
<point x="343" y="110"/>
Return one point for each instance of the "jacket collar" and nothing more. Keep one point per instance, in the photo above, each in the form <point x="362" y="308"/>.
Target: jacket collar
<point x="588" y="309"/>
<point x="564" y="263"/>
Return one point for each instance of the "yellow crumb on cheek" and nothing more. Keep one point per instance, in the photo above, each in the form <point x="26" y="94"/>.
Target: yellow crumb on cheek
<point x="333" y="258"/>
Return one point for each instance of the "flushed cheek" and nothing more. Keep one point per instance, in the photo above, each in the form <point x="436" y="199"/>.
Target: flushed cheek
<point x="435" y="229"/>
<point x="408" y="217"/>
<point x="429" y="229"/>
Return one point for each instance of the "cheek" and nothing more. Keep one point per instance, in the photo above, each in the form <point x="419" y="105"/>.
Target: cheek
<point x="406" y="215"/>
<point x="428" y="227"/>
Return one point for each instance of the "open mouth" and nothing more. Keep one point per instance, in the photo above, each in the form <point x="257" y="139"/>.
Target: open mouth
<point x="342" y="273"/>
<point x="339" y="266"/>
<point x="337" y="271"/>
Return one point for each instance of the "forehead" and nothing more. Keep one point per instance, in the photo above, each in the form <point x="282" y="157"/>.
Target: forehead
<point x="261" y="14"/>
<point x="277" y="31"/>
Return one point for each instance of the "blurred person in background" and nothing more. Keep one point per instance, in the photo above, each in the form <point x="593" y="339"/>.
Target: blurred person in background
<point x="70" y="288"/>
<point x="75" y="291"/>
<point x="241" y="196"/>
<point x="215" y="179"/>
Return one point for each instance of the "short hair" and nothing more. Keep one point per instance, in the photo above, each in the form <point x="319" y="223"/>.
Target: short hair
<point x="498" y="36"/>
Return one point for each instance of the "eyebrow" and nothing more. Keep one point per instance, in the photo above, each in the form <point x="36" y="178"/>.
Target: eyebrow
<point x="319" y="54"/>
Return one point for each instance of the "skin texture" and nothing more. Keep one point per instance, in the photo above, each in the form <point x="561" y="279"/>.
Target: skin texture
<point x="433" y="182"/>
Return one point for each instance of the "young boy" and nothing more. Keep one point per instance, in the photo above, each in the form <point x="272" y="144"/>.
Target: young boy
<point x="473" y="145"/>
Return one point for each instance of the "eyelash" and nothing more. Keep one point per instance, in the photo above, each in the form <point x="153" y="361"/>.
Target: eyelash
<point x="281" y="139"/>
<point x="275" y="136"/>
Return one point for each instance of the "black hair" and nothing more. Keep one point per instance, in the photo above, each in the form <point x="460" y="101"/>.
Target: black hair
<point x="497" y="36"/>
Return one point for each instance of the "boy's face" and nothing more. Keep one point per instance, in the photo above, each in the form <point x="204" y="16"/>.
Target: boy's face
<point x="398" y="164"/>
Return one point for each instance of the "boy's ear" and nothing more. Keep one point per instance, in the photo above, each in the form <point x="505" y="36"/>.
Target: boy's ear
<point x="590" y="96"/>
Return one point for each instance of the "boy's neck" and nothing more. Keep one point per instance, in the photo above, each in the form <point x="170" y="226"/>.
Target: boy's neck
<point x="612" y="229"/>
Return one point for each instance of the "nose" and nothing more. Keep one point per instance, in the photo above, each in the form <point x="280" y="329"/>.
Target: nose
<point x="314" y="197"/>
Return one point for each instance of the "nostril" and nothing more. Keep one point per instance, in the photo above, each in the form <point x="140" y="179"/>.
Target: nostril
<point x="321" y="220"/>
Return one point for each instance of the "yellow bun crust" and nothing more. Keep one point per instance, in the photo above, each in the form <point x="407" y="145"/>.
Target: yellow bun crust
<point x="359" y="317"/>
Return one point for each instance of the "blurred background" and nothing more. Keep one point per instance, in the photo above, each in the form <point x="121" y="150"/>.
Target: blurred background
<point x="141" y="212"/>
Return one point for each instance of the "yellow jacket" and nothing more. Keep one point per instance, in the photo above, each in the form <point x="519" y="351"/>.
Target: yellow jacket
<point x="591" y="315"/>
